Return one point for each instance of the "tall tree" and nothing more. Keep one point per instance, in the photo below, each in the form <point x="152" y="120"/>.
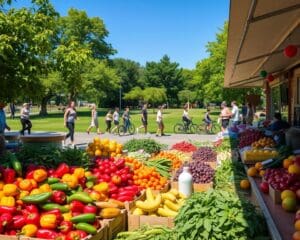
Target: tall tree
<point x="25" y="46"/>
<point x="165" y="74"/>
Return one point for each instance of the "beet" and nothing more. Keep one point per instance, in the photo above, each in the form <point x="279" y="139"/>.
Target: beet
<point x="205" y="154"/>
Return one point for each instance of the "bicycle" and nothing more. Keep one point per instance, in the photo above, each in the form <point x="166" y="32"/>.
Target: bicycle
<point x="202" y="128"/>
<point x="185" y="128"/>
<point x="122" y="129"/>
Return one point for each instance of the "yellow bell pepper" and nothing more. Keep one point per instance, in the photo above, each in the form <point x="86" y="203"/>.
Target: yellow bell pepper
<point x="40" y="175"/>
<point x="48" y="221"/>
<point x="45" y="188"/>
<point x="35" y="191"/>
<point x="70" y="179"/>
<point x="67" y="216"/>
<point x="8" y="201"/>
<point x="23" y="194"/>
<point x="101" y="187"/>
<point x="1" y="194"/>
<point x="29" y="230"/>
<point x="79" y="173"/>
<point x="88" y="173"/>
<point x="1" y="185"/>
<point x="10" y="189"/>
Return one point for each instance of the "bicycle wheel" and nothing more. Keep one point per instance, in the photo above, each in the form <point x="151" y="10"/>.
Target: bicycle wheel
<point x="215" y="129"/>
<point x="201" y="129"/>
<point x="131" y="129"/>
<point x="121" y="130"/>
<point x="193" y="128"/>
<point x="178" y="128"/>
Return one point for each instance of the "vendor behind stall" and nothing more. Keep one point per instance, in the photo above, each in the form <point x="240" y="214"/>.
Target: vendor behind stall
<point x="278" y="127"/>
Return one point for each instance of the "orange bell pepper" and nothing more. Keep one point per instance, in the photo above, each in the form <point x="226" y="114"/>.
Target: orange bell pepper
<point x="8" y="201"/>
<point x="48" y="221"/>
<point x="1" y="194"/>
<point x="1" y="185"/>
<point x="25" y="185"/>
<point x="10" y="189"/>
<point x="29" y="230"/>
<point x="79" y="173"/>
<point x="35" y="191"/>
<point x="40" y="175"/>
<point x="70" y="179"/>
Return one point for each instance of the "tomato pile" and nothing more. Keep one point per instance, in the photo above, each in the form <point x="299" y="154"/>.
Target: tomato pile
<point x="184" y="147"/>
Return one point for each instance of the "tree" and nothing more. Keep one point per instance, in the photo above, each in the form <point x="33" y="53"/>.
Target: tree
<point x="101" y="81"/>
<point x="135" y="94"/>
<point x="187" y="96"/>
<point x="165" y="74"/>
<point x="25" y="44"/>
<point x="154" y="95"/>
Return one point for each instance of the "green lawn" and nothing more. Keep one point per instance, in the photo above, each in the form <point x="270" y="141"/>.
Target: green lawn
<point x="54" y="121"/>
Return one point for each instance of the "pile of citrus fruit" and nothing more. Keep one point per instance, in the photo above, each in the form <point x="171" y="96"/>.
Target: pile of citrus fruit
<point x="104" y="148"/>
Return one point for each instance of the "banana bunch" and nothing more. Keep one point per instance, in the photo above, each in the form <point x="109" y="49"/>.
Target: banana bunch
<point x="161" y="204"/>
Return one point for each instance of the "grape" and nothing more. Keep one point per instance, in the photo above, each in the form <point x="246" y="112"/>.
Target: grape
<point x="205" y="154"/>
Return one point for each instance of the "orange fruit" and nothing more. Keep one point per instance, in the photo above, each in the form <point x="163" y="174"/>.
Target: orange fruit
<point x="287" y="162"/>
<point x="245" y="184"/>
<point x="258" y="165"/>
<point x="297" y="225"/>
<point x="296" y="235"/>
<point x="252" y="172"/>
<point x="294" y="169"/>
<point x="287" y="193"/>
<point x="262" y="173"/>
<point x="98" y="153"/>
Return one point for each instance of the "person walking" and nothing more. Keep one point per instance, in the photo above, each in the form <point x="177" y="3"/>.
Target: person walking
<point x="108" y="120"/>
<point x="160" y="123"/>
<point x="116" y="117"/>
<point x="94" y="120"/>
<point x="69" y="121"/>
<point x="12" y="108"/>
<point x="3" y="124"/>
<point x="26" y="123"/>
<point x="126" y="118"/>
<point x="207" y="120"/>
<point x="250" y="114"/>
<point x="235" y="114"/>
<point x="144" y="119"/>
<point x="224" y="116"/>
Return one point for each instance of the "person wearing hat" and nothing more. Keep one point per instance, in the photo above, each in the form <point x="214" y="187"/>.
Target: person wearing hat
<point x="3" y="124"/>
<point x="26" y="123"/>
<point x="225" y="116"/>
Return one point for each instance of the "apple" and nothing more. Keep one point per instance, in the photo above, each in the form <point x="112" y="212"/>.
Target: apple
<point x="264" y="187"/>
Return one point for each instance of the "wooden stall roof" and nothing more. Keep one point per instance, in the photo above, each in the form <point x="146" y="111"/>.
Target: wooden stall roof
<point x="258" y="32"/>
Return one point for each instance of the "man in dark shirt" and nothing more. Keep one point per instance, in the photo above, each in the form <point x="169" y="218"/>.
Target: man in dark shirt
<point x="278" y="124"/>
<point x="144" y="119"/>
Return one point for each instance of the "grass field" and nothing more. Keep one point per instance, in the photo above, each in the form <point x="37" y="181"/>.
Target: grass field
<point x="54" y="121"/>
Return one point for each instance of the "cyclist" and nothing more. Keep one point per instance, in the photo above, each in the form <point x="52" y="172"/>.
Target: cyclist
<point x="185" y="116"/>
<point x="207" y="121"/>
<point x="126" y="119"/>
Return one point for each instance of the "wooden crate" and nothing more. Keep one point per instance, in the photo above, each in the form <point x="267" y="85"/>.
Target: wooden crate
<point x="275" y="195"/>
<point x="116" y="225"/>
<point x="130" y="205"/>
<point x="135" y="222"/>
<point x="197" y="187"/>
<point x="165" y="189"/>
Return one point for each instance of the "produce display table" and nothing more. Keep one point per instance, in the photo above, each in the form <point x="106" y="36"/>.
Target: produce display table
<point x="12" y="136"/>
<point x="280" y="222"/>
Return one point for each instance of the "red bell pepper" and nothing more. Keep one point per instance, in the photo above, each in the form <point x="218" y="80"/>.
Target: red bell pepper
<point x="124" y="198"/>
<point x="31" y="208"/>
<point x="11" y="232"/>
<point x="82" y="182"/>
<point x="61" y="236"/>
<point x="73" y="235"/>
<point x="120" y="163"/>
<point x="76" y="206"/>
<point x="32" y="218"/>
<point x="29" y="174"/>
<point x="81" y="233"/>
<point x="66" y="226"/>
<point x="5" y="209"/>
<point x="6" y="219"/>
<point x="46" y="234"/>
<point x="18" y="221"/>
<point x="9" y="175"/>
<point x="90" y="209"/>
<point x="58" y="197"/>
<point x="72" y="169"/>
<point x="97" y="224"/>
<point x="62" y="169"/>
<point x="57" y="213"/>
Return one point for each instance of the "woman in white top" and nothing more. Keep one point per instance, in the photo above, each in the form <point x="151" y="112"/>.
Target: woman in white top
<point x="116" y="117"/>
<point x="94" y="120"/>
<point x="26" y="123"/>
<point x="160" y="123"/>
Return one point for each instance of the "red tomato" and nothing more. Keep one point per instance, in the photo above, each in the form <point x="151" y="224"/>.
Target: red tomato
<point x="116" y="179"/>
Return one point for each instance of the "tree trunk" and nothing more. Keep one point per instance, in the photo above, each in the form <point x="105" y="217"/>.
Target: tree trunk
<point x="43" y="111"/>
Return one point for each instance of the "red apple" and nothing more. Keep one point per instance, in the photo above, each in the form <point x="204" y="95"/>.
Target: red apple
<point x="264" y="187"/>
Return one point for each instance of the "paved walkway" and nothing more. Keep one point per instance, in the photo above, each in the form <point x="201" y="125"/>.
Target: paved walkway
<point x="170" y="139"/>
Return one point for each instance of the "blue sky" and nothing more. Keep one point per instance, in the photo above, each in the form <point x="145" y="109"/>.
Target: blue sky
<point x="145" y="30"/>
